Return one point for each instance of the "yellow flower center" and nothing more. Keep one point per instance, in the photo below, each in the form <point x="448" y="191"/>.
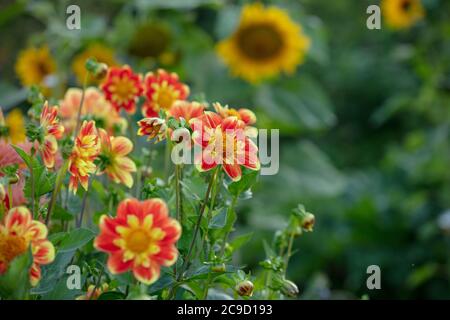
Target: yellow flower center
<point x="138" y="241"/>
<point x="166" y="97"/>
<point x="124" y="90"/>
<point x="11" y="246"/>
<point x="259" y="42"/>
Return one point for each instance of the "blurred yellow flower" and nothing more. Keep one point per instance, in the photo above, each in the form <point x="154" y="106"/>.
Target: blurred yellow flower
<point x="15" y="123"/>
<point x="34" y="66"/>
<point x="98" y="51"/>
<point x="265" y="43"/>
<point x="401" y="14"/>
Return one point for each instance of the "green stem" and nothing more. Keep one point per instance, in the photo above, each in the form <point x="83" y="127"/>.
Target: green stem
<point x="178" y="203"/>
<point x="225" y="238"/>
<point x="83" y="204"/>
<point x="80" y="107"/>
<point x="209" y="214"/>
<point x="289" y="252"/>
<point x="32" y="186"/>
<point x="197" y="225"/>
<point x="58" y="183"/>
<point x="131" y="128"/>
<point x="10" y="195"/>
<point x="167" y="159"/>
<point x="207" y="284"/>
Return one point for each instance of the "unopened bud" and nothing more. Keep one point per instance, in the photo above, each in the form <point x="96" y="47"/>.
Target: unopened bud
<point x="220" y="267"/>
<point x="307" y="223"/>
<point x="289" y="288"/>
<point x="244" y="288"/>
<point x="147" y="171"/>
<point x="97" y="69"/>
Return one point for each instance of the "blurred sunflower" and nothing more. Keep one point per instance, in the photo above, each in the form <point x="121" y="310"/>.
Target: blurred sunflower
<point x="36" y="66"/>
<point x="98" y="51"/>
<point x="401" y="14"/>
<point x="13" y="126"/>
<point x="152" y="40"/>
<point x="265" y="43"/>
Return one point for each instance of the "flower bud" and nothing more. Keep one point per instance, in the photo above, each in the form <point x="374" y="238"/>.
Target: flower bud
<point x="101" y="71"/>
<point x="97" y="69"/>
<point x="219" y="267"/>
<point x="307" y="223"/>
<point x="146" y="171"/>
<point x="289" y="288"/>
<point x="244" y="288"/>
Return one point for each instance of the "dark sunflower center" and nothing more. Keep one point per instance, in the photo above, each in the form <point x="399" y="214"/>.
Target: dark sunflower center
<point x="260" y="42"/>
<point x="42" y="69"/>
<point x="406" y="5"/>
<point x="150" y="40"/>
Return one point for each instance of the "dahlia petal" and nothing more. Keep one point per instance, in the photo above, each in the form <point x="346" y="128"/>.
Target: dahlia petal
<point x="43" y="252"/>
<point x="18" y="220"/>
<point x="37" y="230"/>
<point x="35" y="274"/>
<point x="116" y="263"/>
<point x="121" y="146"/>
<point x="127" y="207"/>
<point x="233" y="171"/>
<point x="147" y="275"/>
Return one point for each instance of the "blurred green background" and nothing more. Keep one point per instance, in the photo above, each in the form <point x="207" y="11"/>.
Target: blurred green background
<point x="364" y="126"/>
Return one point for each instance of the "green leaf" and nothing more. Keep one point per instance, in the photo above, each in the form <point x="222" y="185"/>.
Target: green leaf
<point x="239" y="241"/>
<point x="54" y="272"/>
<point x="22" y="154"/>
<point x="219" y="218"/>
<point x="75" y="239"/>
<point x="62" y="214"/>
<point x="15" y="282"/>
<point x="246" y="182"/>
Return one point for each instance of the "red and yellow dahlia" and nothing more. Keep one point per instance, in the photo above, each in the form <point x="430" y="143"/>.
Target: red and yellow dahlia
<point x="52" y="130"/>
<point x="113" y="153"/>
<point x="141" y="238"/>
<point x="153" y="128"/>
<point x="223" y="142"/>
<point x="162" y="90"/>
<point x="18" y="232"/>
<point x="95" y="107"/>
<point x="243" y="114"/>
<point x="85" y="151"/>
<point x="122" y="87"/>
<point x="186" y="110"/>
